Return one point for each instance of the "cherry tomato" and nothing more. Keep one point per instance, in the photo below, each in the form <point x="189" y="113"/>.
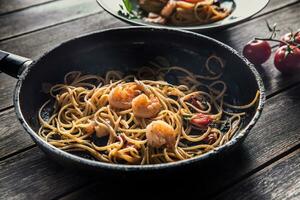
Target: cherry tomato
<point x="257" y="51"/>
<point x="289" y="39"/>
<point x="287" y="59"/>
<point x="201" y="120"/>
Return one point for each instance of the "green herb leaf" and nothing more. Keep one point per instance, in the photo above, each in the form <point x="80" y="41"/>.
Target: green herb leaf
<point x="187" y="118"/>
<point x="224" y="126"/>
<point x="118" y="132"/>
<point x="127" y="10"/>
<point x="288" y="51"/>
<point x="128" y="5"/>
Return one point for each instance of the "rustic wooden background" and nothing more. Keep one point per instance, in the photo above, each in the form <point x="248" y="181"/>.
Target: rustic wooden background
<point x="266" y="167"/>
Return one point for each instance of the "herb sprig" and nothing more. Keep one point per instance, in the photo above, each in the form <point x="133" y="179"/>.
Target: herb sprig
<point x="127" y="10"/>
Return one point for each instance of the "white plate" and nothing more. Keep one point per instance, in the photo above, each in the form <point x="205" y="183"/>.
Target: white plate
<point x="241" y="11"/>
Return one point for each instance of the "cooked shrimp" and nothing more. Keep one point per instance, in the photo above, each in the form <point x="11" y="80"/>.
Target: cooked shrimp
<point x="145" y="107"/>
<point x="168" y="9"/>
<point x="152" y="5"/>
<point x="155" y="18"/>
<point x="121" y="96"/>
<point x="101" y="130"/>
<point x="159" y="133"/>
<point x="90" y="128"/>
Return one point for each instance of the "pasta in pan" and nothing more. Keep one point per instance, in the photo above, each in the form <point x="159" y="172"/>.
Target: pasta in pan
<point x="142" y="118"/>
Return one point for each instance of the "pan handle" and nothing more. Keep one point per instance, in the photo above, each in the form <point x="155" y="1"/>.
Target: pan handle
<point x="12" y="64"/>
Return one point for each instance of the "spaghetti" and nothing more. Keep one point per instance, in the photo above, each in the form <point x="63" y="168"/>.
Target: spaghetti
<point x="183" y="12"/>
<point x="142" y="119"/>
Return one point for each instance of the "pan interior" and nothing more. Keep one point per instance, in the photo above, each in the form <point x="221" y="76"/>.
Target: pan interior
<point x="127" y="50"/>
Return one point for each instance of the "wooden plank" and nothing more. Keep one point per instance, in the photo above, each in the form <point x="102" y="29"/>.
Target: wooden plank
<point x="71" y="183"/>
<point x="8" y="6"/>
<point x="39" y="17"/>
<point x="276" y="4"/>
<point x="6" y="90"/>
<point x="12" y="138"/>
<point x="29" y="45"/>
<point x="273" y="5"/>
<point x="281" y="180"/>
<point x="29" y="20"/>
<point x="33" y="44"/>
<point x="30" y="175"/>
<point x="278" y="136"/>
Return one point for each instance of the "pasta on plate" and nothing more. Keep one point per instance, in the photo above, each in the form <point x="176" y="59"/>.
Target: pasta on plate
<point x="183" y="12"/>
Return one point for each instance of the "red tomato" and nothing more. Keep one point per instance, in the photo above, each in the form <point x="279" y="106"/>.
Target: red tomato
<point x="288" y="38"/>
<point x="201" y="120"/>
<point x="287" y="59"/>
<point x="257" y="51"/>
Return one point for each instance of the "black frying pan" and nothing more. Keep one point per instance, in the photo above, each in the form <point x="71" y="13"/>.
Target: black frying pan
<point x="125" y="49"/>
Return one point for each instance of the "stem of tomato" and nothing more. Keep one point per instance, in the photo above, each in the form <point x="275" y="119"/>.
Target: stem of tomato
<point x="275" y="46"/>
<point x="271" y="39"/>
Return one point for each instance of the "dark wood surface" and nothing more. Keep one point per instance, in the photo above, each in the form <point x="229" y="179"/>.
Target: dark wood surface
<point x="7" y="6"/>
<point x="265" y="167"/>
<point x="280" y="180"/>
<point x="52" y="13"/>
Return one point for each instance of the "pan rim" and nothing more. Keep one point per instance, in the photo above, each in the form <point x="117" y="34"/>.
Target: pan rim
<point x="124" y="167"/>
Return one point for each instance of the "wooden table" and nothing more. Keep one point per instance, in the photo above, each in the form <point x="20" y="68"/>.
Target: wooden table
<point x="267" y="166"/>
